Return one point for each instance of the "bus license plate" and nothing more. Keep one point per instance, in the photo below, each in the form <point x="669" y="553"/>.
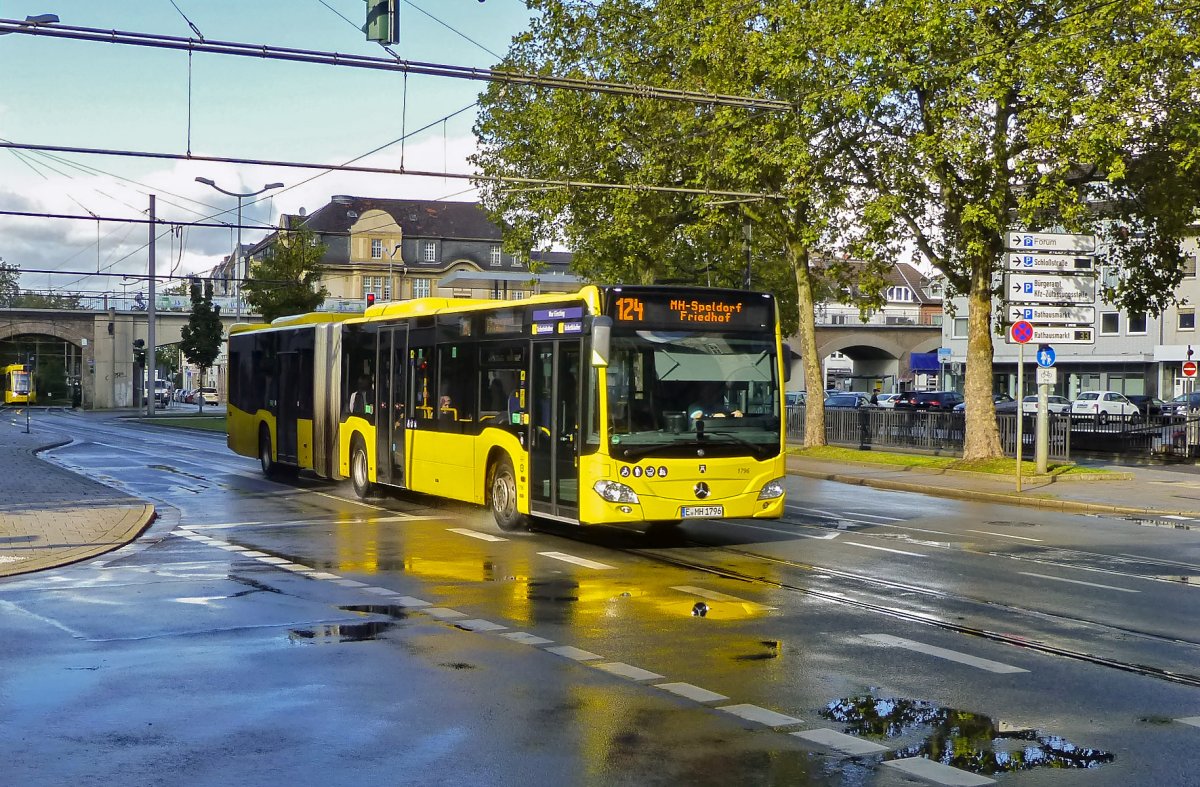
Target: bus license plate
<point x="692" y="512"/>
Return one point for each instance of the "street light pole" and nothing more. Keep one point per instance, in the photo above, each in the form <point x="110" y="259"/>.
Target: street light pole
<point x="237" y="255"/>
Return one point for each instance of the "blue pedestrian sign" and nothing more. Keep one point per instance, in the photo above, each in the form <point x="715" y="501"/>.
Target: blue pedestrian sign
<point x="1045" y="356"/>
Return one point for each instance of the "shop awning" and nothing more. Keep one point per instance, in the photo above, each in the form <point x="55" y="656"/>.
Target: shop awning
<point x="924" y="362"/>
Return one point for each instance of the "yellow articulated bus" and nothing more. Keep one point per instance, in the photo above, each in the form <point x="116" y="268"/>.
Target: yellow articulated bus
<point x="18" y="385"/>
<point x="612" y="405"/>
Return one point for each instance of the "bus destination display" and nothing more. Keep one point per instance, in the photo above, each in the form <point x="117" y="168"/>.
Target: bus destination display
<point x="690" y="310"/>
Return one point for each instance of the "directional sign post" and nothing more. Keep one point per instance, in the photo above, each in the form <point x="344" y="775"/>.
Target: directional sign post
<point x="1050" y="288"/>
<point x="1051" y="241"/>
<point x="1061" y="263"/>
<point x="1052" y="315"/>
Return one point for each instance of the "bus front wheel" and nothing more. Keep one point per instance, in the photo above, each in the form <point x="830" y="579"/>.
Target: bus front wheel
<point x="504" y="496"/>
<point x="359" y="471"/>
<point x="269" y="468"/>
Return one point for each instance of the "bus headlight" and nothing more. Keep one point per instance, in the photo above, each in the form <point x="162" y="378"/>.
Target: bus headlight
<point x="615" y="492"/>
<point x="771" y="490"/>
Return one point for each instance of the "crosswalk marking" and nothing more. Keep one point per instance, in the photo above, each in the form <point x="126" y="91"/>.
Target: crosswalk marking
<point x="942" y="653"/>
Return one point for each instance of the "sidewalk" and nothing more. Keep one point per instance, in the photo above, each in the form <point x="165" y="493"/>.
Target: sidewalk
<point x="49" y="516"/>
<point x="1137" y="491"/>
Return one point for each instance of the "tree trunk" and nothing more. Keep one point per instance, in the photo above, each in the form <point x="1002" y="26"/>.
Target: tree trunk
<point x="982" y="433"/>
<point x="814" y="381"/>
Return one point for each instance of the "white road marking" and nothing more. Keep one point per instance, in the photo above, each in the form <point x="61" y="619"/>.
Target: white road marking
<point x="479" y="624"/>
<point x="349" y="583"/>
<point x="443" y="613"/>
<point x="760" y="715"/>
<point x="382" y="591"/>
<point x="938" y="773"/>
<point x="252" y="553"/>
<point x="1192" y="720"/>
<point x="409" y="601"/>
<point x="688" y="691"/>
<point x="1078" y="582"/>
<point x="713" y="595"/>
<point x="323" y="575"/>
<point x="877" y="516"/>
<point x="10" y="559"/>
<point x="1005" y="535"/>
<point x="297" y="567"/>
<point x="202" y="601"/>
<point x="942" y="653"/>
<point x="275" y="561"/>
<point x="883" y="549"/>
<point x="579" y="561"/>
<point x="846" y="744"/>
<point x="1175" y="516"/>
<point x="464" y="531"/>
<point x="525" y="638"/>
<point x="231" y="547"/>
<point x="628" y="671"/>
<point x="792" y="533"/>
<point x="571" y="652"/>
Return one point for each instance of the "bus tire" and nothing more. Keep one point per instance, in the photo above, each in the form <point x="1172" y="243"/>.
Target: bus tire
<point x="502" y="495"/>
<point x="360" y="470"/>
<point x="269" y="468"/>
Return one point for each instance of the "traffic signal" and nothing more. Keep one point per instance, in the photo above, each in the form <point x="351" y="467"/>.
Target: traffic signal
<point x="383" y="21"/>
<point x="370" y="299"/>
<point x="139" y="351"/>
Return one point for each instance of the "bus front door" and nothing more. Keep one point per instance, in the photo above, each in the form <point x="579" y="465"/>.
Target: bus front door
<point x="288" y="383"/>
<point x="554" y="430"/>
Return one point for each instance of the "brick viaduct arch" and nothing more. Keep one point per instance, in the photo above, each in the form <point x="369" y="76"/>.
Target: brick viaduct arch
<point x="105" y="341"/>
<point x="878" y="351"/>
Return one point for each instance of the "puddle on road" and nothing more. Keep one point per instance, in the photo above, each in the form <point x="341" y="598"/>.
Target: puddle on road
<point x="958" y="738"/>
<point x="340" y="632"/>
<point x="393" y="611"/>
<point x="1164" y="523"/>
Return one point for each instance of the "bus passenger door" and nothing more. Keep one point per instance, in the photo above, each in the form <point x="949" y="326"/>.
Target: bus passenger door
<point x="392" y="395"/>
<point x="554" y="430"/>
<point x="288" y="384"/>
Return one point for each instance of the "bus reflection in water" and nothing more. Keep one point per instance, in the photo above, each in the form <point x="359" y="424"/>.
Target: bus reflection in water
<point x="572" y="407"/>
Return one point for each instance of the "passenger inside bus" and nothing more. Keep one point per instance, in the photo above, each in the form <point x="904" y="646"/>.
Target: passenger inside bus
<point x="361" y="401"/>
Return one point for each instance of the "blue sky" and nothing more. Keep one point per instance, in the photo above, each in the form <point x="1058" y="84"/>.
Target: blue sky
<point x="79" y="94"/>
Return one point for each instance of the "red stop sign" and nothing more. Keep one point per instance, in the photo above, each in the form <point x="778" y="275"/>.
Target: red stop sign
<point x="1189" y="368"/>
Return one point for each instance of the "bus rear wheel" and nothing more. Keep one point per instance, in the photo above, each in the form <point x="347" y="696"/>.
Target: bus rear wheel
<point x="359" y="477"/>
<point x="503" y="496"/>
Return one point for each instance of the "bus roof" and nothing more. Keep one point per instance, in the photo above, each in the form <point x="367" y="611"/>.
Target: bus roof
<point x="311" y="318"/>
<point x="437" y="305"/>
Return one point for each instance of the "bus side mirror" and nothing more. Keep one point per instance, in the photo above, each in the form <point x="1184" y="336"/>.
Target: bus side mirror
<point x="601" y="337"/>
<point x="787" y="363"/>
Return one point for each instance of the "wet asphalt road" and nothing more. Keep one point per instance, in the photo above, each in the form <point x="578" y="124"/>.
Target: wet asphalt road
<point x="265" y="632"/>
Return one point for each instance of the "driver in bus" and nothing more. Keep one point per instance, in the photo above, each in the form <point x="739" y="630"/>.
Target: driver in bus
<point x="710" y="403"/>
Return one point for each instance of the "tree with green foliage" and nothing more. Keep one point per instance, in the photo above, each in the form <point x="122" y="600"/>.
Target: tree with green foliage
<point x="10" y="283"/>
<point x="972" y="119"/>
<point x="201" y="337"/>
<point x="782" y="181"/>
<point x="288" y="280"/>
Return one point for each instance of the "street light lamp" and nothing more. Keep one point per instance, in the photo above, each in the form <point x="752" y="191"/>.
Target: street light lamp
<point x="237" y="257"/>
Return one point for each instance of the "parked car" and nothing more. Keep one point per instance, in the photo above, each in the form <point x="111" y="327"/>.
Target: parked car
<point x="1150" y="406"/>
<point x="209" y="394"/>
<point x="934" y="401"/>
<point x="1003" y="403"/>
<point x="887" y="400"/>
<point x="1181" y="404"/>
<point x="793" y="398"/>
<point x="1055" y="404"/>
<point x="162" y="393"/>
<point x="841" y="400"/>
<point x="1103" y="405"/>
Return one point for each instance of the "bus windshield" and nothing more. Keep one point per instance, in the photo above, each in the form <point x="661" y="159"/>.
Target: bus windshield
<point x="672" y="393"/>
